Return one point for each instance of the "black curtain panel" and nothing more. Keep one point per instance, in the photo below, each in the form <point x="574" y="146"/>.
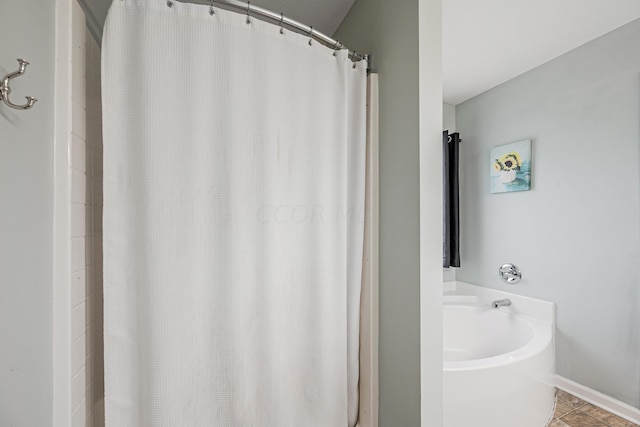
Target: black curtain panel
<point x="451" y="199"/>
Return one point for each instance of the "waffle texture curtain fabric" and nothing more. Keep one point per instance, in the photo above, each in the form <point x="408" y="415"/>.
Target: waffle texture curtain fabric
<point x="234" y="166"/>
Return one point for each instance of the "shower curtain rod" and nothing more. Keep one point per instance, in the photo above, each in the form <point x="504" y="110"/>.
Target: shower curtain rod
<point x="265" y="14"/>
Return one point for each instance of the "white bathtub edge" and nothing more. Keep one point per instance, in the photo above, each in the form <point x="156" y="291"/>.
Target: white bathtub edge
<point x="521" y="305"/>
<point x="603" y="401"/>
<point x="541" y="342"/>
<point x="449" y="286"/>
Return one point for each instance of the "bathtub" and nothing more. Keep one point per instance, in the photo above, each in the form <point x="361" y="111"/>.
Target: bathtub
<point x="499" y="364"/>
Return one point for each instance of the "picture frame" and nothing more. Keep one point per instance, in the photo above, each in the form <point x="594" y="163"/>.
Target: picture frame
<point x="511" y="167"/>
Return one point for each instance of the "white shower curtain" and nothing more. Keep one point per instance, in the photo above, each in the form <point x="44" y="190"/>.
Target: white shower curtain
<point x="233" y="230"/>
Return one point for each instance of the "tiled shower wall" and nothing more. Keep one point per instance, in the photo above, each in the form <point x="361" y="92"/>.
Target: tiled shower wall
<point x="87" y="362"/>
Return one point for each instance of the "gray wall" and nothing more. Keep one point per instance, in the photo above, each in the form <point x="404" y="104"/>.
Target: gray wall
<point x="389" y="31"/>
<point x="26" y="217"/>
<point x="96" y="13"/>
<point x="449" y="117"/>
<point x="576" y="234"/>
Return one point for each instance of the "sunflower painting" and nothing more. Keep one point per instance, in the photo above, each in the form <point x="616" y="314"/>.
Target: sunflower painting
<point x="511" y="167"/>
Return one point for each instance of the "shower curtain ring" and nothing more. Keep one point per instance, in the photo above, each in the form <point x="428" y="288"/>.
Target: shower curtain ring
<point x="310" y="36"/>
<point x="248" y="12"/>
<point x="337" y="47"/>
<point x="281" y="21"/>
<point x="212" y="11"/>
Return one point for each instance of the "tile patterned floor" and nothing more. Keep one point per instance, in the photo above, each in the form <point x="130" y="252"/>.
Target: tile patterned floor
<point x="574" y="412"/>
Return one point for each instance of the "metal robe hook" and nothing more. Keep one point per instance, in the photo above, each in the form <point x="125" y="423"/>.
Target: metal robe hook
<point x="5" y="89"/>
<point x="310" y="36"/>
<point x="281" y="21"/>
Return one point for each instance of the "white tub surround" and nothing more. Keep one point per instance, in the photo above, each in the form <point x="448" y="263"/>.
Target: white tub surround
<point x="499" y="363"/>
<point x="77" y="304"/>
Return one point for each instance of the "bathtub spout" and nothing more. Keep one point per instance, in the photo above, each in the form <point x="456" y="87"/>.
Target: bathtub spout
<point x="501" y="303"/>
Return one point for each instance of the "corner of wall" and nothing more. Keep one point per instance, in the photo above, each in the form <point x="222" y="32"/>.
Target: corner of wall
<point x="62" y="216"/>
<point x="431" y="272"/>
<point x="78" y="362"/>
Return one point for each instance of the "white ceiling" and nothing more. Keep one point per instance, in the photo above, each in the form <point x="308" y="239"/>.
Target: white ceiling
<point x="488" y="42"/>
<point x="485" y="43"/>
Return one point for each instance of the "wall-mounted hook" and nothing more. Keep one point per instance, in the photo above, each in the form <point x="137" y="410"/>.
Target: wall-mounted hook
<point x="5" y="89"/>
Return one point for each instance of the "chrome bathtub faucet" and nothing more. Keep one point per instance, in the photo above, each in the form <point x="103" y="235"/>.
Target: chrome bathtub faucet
<point x="501" y="303"/>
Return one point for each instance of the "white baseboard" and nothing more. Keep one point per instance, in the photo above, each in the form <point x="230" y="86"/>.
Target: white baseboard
<point x="603" y="401"/>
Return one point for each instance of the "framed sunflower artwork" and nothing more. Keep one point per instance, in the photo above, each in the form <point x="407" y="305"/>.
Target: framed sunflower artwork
<point x="511" y="167"/>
